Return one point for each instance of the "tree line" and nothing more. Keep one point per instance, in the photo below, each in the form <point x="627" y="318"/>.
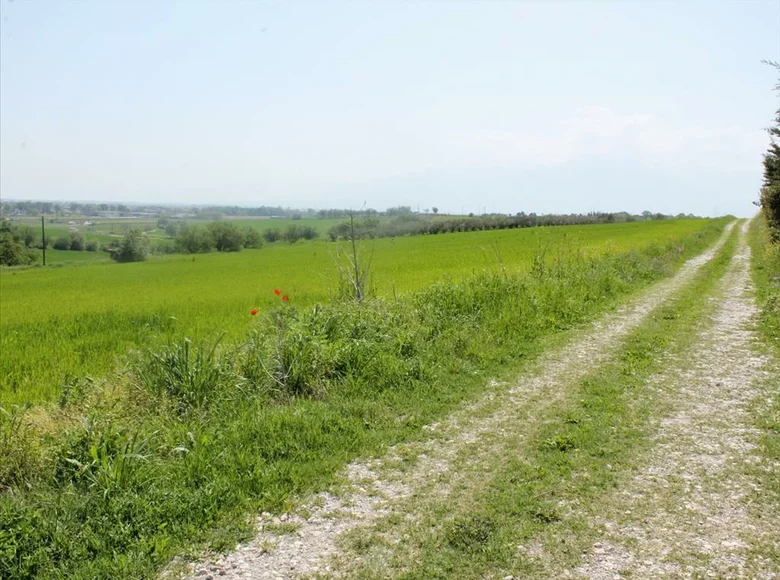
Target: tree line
<point x="413" y="224"/>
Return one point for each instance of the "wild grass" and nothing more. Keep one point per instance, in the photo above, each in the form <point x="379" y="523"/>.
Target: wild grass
<point x="179" y="450"/>
<point x="59" y="323"/>
<point x="766" y="276"/>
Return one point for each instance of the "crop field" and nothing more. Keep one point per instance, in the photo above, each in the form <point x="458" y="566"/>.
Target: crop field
<point x="57" y="324"/>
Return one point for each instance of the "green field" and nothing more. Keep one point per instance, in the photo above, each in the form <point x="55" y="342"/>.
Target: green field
<point x="60" y="323"/>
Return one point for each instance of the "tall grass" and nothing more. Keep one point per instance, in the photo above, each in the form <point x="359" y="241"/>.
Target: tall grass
<point x="182" y="448"/>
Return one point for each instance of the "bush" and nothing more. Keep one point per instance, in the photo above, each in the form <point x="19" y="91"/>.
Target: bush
<point x="227" y="236"/>
<point x="77" y="242"/>
<point x="62" y="243"/>
<point x="293" y="233"/>
<point x="770" y="203"/>
<point x="93" y="246"/>
<point x="252" y="238"/>
<point x="194" y="240"/>
<point x="272" y="235"/>
<point x="133" y="247"/>
<point x="12" y="253"/>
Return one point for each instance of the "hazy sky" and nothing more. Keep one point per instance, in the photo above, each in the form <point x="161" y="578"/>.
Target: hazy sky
<point x="510" y="106"/>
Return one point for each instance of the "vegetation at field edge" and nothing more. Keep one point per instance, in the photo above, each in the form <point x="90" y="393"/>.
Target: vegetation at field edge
<point x="766" y="276"/>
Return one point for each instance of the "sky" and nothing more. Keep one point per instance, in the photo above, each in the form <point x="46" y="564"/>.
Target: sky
<point x="467" y="106"/>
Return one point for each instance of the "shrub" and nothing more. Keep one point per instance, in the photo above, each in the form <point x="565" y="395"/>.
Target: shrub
<point x="133" y="247"/>
<point x="77" y="242"/>
<point x="93" y="246"/>
<point x="272" y="235"/>
<point x="194" y="240"/>
<point x="252" y="238"/>
<point x="62" y="243"/>
<point x="227" y="236"/>
<point x="12" y="253"/>
<point x="293" y="233"/>
<point x="770" y="203"/>
<point x="308" y="232"/>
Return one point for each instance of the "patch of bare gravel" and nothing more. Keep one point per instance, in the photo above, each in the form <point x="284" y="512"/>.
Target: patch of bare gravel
<point x="386" y="493"/>
<point x="695" y="511"/>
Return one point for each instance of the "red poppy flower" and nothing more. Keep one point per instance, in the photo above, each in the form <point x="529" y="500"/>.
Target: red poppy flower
<point x="285" y="298"/>
<point x="277" y="291"/>
<point x="253" y="312"/>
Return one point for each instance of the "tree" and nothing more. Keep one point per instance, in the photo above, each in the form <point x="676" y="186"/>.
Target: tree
<point x="77" y="242"/>
<point x="133" y="247"/>
<point x="272" y="235"/>
<point x="227" y="237"/>
<point x="252" y="238"/>
<point x="194" y="240"/>
<point x="12" y="252"/>
<point x="435" y="209"/>
<point x="770" y="192"/>
<point x="293" y="233"/>
<point x="170" y="229"/>
<point x="62" y="243"/>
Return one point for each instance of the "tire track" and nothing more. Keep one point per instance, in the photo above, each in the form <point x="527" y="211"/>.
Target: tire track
<point x="694" y="510"/>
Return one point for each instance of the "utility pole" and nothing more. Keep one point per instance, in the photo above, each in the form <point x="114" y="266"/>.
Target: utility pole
<point x="43" y="238"/>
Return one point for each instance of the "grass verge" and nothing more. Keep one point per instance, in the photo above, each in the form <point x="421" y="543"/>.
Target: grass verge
<point x="766" y="277"/>
<point x="184" y="448"/>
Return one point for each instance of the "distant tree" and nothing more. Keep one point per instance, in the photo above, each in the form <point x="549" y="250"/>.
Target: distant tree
<point x="170" y="229"/>
<point x="252" y="238"/>
<point x="77" y="242"/>
<point x="435" y="209"/>
<point x="272" y="235"/>
<point x="92" y="246"/>
<point x="133" y="247"/>
<point x="209" y="214"/>
<point x="308" y="232"/>
<point x="12" y="252"/>
<point x="293" y="233"/>
<point x="227" y="236"/>
<point x="62" y="243"/>
<point x="194" y="240"/>
<point x="399" y="210"/>
<point x="26" y="236"/>
<point x="162" y="222"/>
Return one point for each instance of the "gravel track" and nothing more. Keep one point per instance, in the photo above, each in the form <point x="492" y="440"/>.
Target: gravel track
<point x="695" y="510"/>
